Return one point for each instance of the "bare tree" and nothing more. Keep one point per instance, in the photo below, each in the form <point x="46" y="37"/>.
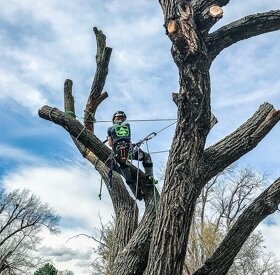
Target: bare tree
<point x="220" y="203"/>
<point x="102" y="262"/>
<point x="158" y="244"/>
<point x="22" y="217"/>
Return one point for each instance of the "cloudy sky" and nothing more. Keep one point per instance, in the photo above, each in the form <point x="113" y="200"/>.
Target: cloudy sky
<point x="45" y="42"/>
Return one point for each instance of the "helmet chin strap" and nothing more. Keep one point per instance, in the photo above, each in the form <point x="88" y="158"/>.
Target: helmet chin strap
<point x="119" y="121"/>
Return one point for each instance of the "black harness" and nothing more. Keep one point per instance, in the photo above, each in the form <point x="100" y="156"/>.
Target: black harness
<point x="122" y="150"/>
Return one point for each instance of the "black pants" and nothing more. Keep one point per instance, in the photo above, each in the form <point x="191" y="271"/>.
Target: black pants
<point x="125" y="152"/>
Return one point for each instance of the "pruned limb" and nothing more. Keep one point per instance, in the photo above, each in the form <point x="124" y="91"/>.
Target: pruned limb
<point x="209" y="17"/>
<point x="208" y="12"/>
<point x="245" y="138"/>
<point x="243" y="28"/>
<point x="201" y="5"/>
<point x="102" y="63"/>
<point x="265" y="204"/>
<point x="69" y="103"/>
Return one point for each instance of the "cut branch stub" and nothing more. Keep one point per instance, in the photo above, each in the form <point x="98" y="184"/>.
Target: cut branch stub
<point x="100" y="42"/>
<point x="69" y="103"/>
<point x="182" y="32"/>
<point x="171" y="27"/>
<point x="209" y="17"/>
<point x="216" y="11"/>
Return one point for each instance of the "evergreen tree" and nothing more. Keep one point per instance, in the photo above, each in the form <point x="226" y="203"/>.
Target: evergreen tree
<point x="47" y="269"/>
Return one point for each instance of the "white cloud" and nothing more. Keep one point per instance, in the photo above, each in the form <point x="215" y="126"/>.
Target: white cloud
<point x="69" y="252"/>
<point x="71" y="191"/>
<point x="24" y="94"/>
<point x="17" y="154"/>
<point x="270" y="231"/>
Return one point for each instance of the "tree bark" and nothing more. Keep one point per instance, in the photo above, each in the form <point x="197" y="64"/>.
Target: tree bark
<point x="244" y="139"/>
<point x="241" y="29"/>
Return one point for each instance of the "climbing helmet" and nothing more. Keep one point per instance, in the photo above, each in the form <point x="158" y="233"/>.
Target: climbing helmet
<point x="120" y="114"/>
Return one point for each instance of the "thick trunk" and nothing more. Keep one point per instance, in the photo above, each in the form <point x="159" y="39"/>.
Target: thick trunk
<point x="133" y="259"/>
<point x="180" y="190"/>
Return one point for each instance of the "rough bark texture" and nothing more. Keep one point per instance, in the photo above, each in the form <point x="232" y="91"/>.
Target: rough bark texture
<point x="243" y="28"/>
<point x="157" y="245"/>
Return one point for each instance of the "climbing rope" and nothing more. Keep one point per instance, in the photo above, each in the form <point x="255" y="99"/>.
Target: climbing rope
<point x="158" y="152"/>
<point x="154" y="187"/>
<point x="137" y="175"/>
<point x="92" y="115"/>
<point x="138" y="120"/>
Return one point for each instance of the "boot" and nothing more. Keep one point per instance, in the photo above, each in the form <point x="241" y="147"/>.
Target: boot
<point x="150" y="176"/>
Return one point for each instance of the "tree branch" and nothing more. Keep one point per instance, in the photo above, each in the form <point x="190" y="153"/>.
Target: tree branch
<point x="241" y="29"/>
<point x="102" y="63"/>
<point x="207" y="13"/>
<point x="200" y="5"/>
<point x="241" y="141"/>
<point x="265" y="204"/>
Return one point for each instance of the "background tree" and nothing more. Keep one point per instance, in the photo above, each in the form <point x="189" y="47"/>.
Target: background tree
<point x="158" y="244"/>
<point x="22" y="216"/>
<point x="47" y="269"/>
<point x="104" y="250"/>
<point x="65" y="272"/>
<point x="221" y="202"/>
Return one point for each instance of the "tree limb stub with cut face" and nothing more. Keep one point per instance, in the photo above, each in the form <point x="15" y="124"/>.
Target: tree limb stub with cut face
<point x="158" y="244"/>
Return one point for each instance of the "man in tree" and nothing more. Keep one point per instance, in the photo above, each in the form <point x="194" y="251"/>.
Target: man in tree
<point x="119" y="138"/>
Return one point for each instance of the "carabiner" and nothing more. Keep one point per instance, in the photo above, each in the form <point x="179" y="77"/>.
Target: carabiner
<point x="150" y="136"/>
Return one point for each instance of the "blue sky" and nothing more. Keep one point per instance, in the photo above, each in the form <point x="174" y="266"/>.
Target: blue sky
<point x="45" y="42"/>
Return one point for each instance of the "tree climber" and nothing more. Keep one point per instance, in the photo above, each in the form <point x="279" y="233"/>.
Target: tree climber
<point x="119" y="138"/>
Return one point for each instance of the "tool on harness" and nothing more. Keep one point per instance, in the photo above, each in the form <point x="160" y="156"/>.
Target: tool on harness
<point x="112" y="166"/>
<point x="100" y="190"/>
